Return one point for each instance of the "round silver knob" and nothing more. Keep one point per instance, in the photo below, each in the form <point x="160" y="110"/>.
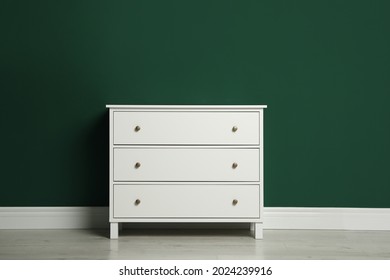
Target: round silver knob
<point x="137" y="202"/>
<point x="137" y="165"/>
<point x="234" y="165"/>
<point x="235" y="128"/>
<point x="235" y="201"/>
<point x="137" y="128"/>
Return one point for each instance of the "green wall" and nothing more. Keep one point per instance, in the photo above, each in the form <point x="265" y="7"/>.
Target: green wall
<point x="322" y="67"/>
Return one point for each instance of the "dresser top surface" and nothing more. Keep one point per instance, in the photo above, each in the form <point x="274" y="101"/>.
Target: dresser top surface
<point x="190" y="107"/>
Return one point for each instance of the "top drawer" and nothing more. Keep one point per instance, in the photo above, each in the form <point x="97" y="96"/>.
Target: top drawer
<point x="187" y="128"/>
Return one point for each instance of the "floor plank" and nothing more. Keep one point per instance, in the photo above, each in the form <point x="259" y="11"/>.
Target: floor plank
<point x="193" y="244"/>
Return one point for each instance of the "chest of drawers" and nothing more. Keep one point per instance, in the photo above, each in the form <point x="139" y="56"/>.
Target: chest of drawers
<point x="186" y="164"/>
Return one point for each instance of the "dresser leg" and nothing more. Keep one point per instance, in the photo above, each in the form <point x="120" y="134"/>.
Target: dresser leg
<point x="114" y="230"/>
<point x="257" y="230"/>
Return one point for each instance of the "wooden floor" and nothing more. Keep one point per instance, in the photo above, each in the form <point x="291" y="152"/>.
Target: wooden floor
<point x="193" y="244"/>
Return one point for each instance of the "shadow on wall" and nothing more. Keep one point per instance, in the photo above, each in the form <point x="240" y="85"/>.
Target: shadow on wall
<point x="95" y="190"/>
<point x="97" y="162"/>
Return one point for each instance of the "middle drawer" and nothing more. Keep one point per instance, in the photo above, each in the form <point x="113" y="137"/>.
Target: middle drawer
<point x="186" y="164"/>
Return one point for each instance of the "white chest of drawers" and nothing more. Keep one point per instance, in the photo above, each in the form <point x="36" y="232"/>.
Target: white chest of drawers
<point x="186" y="164"/>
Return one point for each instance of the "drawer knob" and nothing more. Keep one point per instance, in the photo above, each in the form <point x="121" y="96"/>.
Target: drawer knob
<point x="234" y="165"/>
<point x="137" y="165"/>
<point x="137" y="202"/>
<point x="137" y="128"/>
<point x="235" y="128"/>
<point x="235" y="202"/>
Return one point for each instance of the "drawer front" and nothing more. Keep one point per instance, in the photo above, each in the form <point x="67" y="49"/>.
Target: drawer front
<point x="184" y="164"/>
<point x="186" y="201"/>
<point x="191" y="128"/>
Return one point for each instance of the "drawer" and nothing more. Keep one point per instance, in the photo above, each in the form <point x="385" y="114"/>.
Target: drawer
<point x="186" y="201"/>
<point x="186" y="164"/>
<point x="190" y="128"/>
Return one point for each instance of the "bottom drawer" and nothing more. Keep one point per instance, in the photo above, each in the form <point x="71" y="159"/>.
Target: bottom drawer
<point x="186" y="201"/>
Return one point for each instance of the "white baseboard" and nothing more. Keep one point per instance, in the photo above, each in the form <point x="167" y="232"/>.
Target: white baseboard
<point x="274" y="218"/>
<point x="53" y="217"/>
<point x="327" y="218"/>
